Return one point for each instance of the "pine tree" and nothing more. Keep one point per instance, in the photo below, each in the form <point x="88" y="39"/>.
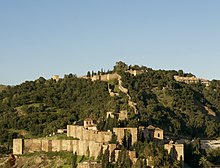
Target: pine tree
<point x="74" y="160"/>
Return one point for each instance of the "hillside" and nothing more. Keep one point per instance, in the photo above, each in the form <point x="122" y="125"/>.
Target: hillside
<point x="41" y="159"/>
<point x="3" y="87"/>
<point x="38" y="108"/>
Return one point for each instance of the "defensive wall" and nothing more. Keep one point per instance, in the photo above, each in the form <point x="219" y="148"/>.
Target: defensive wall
<point x="122" y="115"/>
<point x="120" y="133"/>
<point x="89" y="164"/>
<point x="82" y="133"/>
<point x="151" y="133"/>
<point x="105" y="77"/>
<point x="112" y="76"/>
<point x="135" y="72"/>
<point x="210" y="144"/>
<point x="81" y="147"/>
<point x="176" y="151"/>
<point x="191" y="80"/>
<point x="131" y="154"/>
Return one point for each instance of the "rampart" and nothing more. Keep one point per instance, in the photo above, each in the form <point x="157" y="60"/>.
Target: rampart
<point x="105" y="77"/>
<point x="89" y="164"/>
<point x="82" y="133"/>
<point x="86" y="148"/>
<point x="135" y="72"/>
<point x="176" y="151"/>
<point x="191" y="80"/>
<point x="120" y="132"/>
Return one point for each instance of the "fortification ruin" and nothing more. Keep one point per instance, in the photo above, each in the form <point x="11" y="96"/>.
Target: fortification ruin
<point x="89" y="142"/>
<point x="122" y="115"/>
<point x="89" y="164"/>
<point x="192" y="80"/>
<point x="176" y="151"/>
<point x="154" y="133"/>
<point x="81" y="147"/>
<point x="120" y="133"/>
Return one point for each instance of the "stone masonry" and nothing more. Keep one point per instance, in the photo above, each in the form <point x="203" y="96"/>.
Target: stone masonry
<point x="81" y="147"/>
<point x="82" y="133"/>
<point x="120" y="132"/>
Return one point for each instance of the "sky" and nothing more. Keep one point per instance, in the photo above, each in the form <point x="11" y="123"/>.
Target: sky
<point x="54" y="37"/>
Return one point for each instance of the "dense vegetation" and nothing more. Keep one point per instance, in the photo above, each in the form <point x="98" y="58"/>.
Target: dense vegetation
<point x="38" y="108"/>
<point x="180" y="108"/>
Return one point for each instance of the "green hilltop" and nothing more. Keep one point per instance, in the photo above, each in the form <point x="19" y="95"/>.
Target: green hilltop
<point x="38" y="108"/>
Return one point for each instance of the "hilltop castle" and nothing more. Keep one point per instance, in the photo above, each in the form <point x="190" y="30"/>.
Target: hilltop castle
<point x="88" y="141"/>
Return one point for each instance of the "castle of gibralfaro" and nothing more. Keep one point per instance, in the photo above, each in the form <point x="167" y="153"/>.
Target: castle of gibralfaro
<point x="192" y="80"/>
<point x="88" y="141"/>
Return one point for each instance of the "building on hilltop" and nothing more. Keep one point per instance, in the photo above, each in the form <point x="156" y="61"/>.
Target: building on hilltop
<point x="122" y="115"/>
<point x="89" y="124"/>
<point x="154" y="133"/>
<point x="56" y="78"/>
<point x="61" y="131"/>
<point x="192" y="80"/>
<point x="87" y="130"/>
<point x="135" y="72"/>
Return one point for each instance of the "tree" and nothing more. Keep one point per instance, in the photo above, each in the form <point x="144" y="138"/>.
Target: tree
<point x="124" y="160"/>
<point x="105" y="159"/>
<point x="203" y="162"/>
<point x="74" y="160"/>
<point x="113" y="139"/>
<point x="88" y="74"/>
<point x="120" y="67"/>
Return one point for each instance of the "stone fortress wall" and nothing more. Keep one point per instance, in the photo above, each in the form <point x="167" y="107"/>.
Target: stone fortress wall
<point x="176" y="151"/>
<point x="85" y="139"/>
<point x="192" y="80"/>
<point x="120" y="133"/>
<point x="90" y="142"/>
<point x="82" y="133"/>
<point x="81" y="147"/>
<point x="112" y="76"/>
<point x="104" y="77"/>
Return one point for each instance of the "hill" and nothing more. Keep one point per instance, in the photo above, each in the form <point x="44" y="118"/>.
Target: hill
<point x="40" y="107"/>
<point x="3" y="87"/>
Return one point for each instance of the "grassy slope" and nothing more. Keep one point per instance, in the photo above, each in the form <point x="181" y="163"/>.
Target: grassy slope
<point x="46" y="160"/>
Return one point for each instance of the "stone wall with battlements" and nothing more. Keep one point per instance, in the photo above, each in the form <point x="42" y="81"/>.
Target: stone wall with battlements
<point x="89" y="164"/>
<point x="191" y="80"/>
<point x="105" y="77"/>
<point x="120" y="132"/>
<point x="81" y="147"/>
<point x="82" y="133"/>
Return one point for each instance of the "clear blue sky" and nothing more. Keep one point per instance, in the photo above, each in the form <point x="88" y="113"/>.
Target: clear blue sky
<point x="47" y="37"/>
